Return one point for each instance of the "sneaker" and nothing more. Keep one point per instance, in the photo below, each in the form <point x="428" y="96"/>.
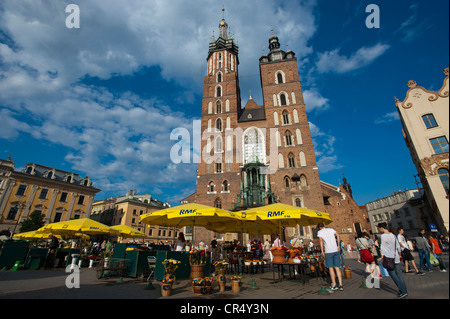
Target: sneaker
<point x="401" y="296"/>
<point x="443" y="270"/>
<point x="341" y="288"/>
<point x="333" y="288"/>
<point x="420" y="273"/>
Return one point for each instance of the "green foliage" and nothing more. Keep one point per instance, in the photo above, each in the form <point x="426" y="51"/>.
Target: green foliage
<point x="35" y="221"/>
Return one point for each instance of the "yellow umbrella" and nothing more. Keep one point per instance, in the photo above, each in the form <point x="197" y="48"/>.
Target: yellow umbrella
<point x="82" y="225"/>
<point x="34" y="235"/>
<point x="127" y="231"/>
<point x="284" y="215"/>
<point x="288" y="216"/>
<point x="189" y="215"/>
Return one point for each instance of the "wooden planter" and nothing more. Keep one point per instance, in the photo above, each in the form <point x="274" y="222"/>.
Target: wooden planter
<point x="166" y="290"/>
<point x="236" y="286"/>
<point x="197" y="271"/>
<point x="222" y="282"/>
<point x="279" y="256"/>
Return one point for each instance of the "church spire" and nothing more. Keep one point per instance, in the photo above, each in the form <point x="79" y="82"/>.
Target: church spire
<point x="223" y="26"/>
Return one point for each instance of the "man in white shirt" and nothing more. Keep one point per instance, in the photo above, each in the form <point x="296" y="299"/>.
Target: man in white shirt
<point x="329" y="238"/>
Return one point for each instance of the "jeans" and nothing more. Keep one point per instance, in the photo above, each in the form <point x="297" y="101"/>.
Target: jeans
<point x="397" y="277"/>
<point x="342" y="259"/>
<point x="441" y="263"/>
<point x="423" y="253"/>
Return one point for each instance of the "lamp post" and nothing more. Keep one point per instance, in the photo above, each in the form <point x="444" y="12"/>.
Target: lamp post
<point x="18" y="206"/>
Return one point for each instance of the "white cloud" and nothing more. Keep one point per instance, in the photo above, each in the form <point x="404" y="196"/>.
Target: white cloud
<point x="123" y="140"/>
<point x="324" y="149"/>
<point x="387" y="118"/>
<point x="333" y="61"/>
<point x="314" y="101"/>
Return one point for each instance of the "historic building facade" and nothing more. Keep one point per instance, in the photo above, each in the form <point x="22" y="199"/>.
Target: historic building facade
<point x="407" y="209"/>
<point x="59" y="195"/>
<point x="258" y="154"/>
<point x="127" y="210"/>
<point x="424" y="115"/>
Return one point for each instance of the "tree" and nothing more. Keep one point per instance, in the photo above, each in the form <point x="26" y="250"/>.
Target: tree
<point x="34" y="221"/>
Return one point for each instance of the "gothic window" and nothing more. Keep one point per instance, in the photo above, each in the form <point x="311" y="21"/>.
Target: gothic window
<point x="211" y="187"/>
<point x="225" y="187"/>
<point x="218" y="203"/>
<point x="218" y="107"/>
<point x="286" y="117"/>
<point x="302" y="159"/>
<point x="283" y="99"/>
<point x="443" y="175"/>
<point x="218" y="167"/>
<point x="275" y="118"/>
<point x="254" y="145"/>
<point x="291" y="160"/>
<point x="280" y="78"/>
<point x="219" y="77"/>
<point x="287" y="182"/>
<point x="218" y="146"/>
<point x="218" y="91"/>
<point x="303" y="182"/>
<point x="429" y="120"/>
<point x="288" y="138"/>
<point x="219" y="124"/>
<point x="280" y="161"/>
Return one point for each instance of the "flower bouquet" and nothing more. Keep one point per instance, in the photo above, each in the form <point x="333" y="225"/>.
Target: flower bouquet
<point x="170" y="265"/>
<point x="199" y="257"/>
<point x="221" y="267"/>
<point x="202" y="286"/>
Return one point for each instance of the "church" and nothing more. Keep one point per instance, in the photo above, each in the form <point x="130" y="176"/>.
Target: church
<point x="259" y="154"/>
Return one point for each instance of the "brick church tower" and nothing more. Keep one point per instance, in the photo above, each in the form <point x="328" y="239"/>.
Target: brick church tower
<point x="254" y="155"/>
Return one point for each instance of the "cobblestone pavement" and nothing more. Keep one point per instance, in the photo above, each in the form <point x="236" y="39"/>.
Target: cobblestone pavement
<point x="51" y="284"/>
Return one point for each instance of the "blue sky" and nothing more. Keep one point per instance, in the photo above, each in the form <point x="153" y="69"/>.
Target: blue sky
<point x="101" y="100"/>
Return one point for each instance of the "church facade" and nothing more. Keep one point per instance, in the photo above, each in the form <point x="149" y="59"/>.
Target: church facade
<point x="257" y="154"/>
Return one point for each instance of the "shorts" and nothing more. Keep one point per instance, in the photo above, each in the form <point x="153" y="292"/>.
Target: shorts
<point x="406" y="254"/>
<point x="332" y="260"/>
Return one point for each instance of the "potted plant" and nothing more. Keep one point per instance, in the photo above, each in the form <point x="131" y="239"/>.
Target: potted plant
<point x="279" y="254"/>
<point x="197" y="261"/>
<point x="166" y="286"/>
<point x="236" y="283"/>
<point x="202" y="286"/>
<point x="221" y="268"/>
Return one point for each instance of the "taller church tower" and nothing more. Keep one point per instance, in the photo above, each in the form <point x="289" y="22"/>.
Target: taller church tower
<point x="255" y="155"/>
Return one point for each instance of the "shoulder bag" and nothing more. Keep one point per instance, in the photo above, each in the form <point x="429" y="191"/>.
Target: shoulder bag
<point x="389" y="263"/>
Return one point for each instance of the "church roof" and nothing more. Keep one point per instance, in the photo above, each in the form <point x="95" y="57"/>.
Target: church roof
<point x="252" y="112"/>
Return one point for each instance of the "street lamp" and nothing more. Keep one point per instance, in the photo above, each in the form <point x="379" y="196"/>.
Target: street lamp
<point x="18" y="206"/>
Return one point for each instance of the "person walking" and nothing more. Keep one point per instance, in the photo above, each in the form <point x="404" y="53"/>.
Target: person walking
<point x="424" y="250"/>
<point x="406" y="253"/>
<point x="328" y="239"/>
<point x="391" y="249"/>
<point x="365" y="251"/>
<point x="436" y="250"/>
<point x="341" y="255"/>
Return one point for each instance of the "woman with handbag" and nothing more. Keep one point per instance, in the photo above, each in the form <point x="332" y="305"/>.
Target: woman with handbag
<point x="390" y="255"/>
<point x="365" y="252"/>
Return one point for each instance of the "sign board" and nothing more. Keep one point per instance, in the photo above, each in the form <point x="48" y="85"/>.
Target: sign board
<point x="433" y="227"/>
